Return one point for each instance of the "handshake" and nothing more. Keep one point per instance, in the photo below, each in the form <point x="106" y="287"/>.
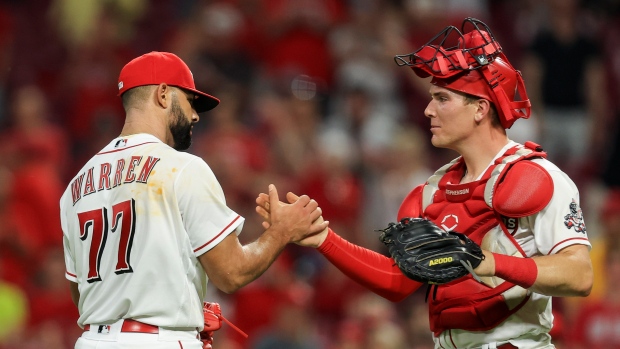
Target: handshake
<point x="423" y="251"/>
<point x="269" y="204"/>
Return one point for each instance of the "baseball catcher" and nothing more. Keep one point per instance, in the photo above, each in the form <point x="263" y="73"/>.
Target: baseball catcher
<point x="426" y="253"/>
<point x="505" y="198"/>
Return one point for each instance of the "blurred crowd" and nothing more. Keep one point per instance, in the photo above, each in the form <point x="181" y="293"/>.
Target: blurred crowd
<point x="312" y="101"/>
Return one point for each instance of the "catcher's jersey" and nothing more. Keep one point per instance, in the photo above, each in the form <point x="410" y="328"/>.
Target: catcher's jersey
<point x="558" y="225"/>
<point x="135" y="218"/>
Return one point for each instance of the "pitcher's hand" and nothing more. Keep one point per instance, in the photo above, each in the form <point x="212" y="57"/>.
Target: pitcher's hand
<point x="263" y="208"/>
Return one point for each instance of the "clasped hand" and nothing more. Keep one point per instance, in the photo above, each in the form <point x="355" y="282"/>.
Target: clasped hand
<point x="265" y="206"/>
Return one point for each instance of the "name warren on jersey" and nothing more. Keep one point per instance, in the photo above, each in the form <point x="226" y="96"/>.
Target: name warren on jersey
<point x="135" y="218"/>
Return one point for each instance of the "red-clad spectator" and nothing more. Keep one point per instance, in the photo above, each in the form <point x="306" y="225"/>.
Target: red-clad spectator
<point x="332" y="290"/>
<point x="36" y="154"/>
<point x="237" y="155"/>
<point x="223" y="57"/>
<point x="293" y="328"/>
<point x="257" y="305"/>
<point x="339" y="193"/>
<point x="597" y="324"/>
<point x="51" y="307"/>
<point x="296" y="37"/>
<point x="32" y="135"/>
<point x="332" y="182"/>
<point x="91" y="78"/>
<point x="13" y="254"/>
<point x="370" y="322"/>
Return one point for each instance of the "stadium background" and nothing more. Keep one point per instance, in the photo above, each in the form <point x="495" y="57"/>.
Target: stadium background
<point x="311" y="101"/>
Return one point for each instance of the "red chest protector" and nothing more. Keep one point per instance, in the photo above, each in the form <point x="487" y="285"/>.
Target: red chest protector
<point x="478" y="209"/>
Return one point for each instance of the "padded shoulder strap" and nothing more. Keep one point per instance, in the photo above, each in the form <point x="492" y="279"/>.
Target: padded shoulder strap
<point x="525" y="189"/>
<point x="412" y="205"/>
<point x="505" y="162"/>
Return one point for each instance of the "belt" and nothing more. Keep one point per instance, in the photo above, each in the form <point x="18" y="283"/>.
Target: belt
<point x="134" y="326"/>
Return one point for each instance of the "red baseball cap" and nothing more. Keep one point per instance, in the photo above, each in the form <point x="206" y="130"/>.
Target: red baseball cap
<point x="155" y="68"/>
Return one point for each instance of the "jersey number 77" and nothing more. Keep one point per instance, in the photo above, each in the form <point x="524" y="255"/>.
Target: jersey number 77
<point x="96" y="224"/>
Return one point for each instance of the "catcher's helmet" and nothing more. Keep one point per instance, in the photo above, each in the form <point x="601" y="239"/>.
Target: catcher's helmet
<point x="475" y="65"/>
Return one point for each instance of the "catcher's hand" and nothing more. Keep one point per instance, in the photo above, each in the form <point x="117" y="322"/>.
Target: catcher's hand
<point x="426" y="253"/>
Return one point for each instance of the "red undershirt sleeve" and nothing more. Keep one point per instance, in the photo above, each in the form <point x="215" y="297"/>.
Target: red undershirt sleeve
<point x="519" y="271"/>
<point x="372" y="270"/>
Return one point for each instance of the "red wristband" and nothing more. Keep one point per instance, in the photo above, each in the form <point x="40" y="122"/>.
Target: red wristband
<point x="519" y="271"/>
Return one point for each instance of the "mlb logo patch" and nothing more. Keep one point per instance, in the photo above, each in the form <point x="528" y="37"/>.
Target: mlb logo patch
<point x="120" y="143"/>
<point x="104" y="329"/>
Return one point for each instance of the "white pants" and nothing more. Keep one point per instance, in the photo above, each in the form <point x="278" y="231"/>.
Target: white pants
<point x="111" y="337"/>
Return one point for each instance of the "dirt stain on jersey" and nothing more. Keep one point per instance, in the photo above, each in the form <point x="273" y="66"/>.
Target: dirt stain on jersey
<point x="156" y="187"/>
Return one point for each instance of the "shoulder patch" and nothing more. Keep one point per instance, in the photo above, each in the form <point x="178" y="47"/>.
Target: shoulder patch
<point x="574" y="219"/>
<point x="525" y="189"/>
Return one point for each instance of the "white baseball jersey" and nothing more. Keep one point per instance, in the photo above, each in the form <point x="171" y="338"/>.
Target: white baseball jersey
<point x="558" y="225"/>
<point x="135" y="218"/>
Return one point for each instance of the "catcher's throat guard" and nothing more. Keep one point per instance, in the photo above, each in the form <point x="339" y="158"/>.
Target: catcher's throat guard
<point x="473" y="63"/>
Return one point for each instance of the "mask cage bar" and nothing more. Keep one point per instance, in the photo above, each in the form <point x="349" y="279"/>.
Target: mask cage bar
<point x="434" y="55"/>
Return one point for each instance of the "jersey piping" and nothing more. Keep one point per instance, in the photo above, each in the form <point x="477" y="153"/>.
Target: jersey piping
<point x="218" y="234"/>
<point x="564" y="241"/>
<point x="124" y="148"/>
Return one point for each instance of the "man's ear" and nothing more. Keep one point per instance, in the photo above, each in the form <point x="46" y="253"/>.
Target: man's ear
<point x="163" y="95"/>
<point x="483" y="110"/>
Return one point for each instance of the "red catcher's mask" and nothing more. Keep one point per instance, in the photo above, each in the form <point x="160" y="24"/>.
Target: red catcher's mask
<point x="474" y="64"/>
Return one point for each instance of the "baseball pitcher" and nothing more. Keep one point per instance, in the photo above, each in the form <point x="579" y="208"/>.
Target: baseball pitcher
<point x="146" y="226"/>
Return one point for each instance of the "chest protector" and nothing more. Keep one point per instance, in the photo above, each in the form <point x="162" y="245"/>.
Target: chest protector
<point x="511" y="188"/>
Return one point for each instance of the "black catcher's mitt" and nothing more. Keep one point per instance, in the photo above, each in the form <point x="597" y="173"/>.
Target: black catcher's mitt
<point x="426" y="253"/>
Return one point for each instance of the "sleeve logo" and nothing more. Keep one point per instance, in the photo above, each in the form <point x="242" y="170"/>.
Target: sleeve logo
<point x="575" y="218"/>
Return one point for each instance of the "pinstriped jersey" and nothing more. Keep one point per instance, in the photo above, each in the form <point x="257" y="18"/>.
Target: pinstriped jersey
<point x="135" y="219"/>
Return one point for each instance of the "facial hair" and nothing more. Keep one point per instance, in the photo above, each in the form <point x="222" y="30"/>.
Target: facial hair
<point x="180" y="127"/>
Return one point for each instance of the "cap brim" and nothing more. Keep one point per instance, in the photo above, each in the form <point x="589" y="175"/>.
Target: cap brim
<point x="203" y="102"/>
